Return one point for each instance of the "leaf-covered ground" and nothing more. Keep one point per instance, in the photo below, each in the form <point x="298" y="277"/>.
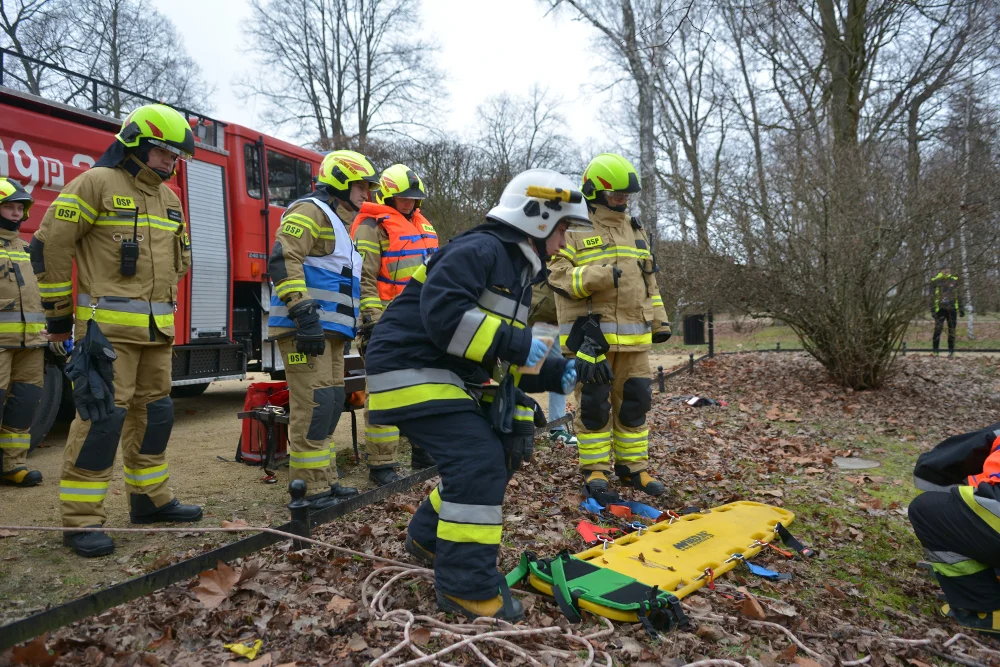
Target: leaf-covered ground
<point x="774" y="442"/>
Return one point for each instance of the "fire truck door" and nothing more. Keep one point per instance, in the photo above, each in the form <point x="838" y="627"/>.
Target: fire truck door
<point x="209" y="252"/>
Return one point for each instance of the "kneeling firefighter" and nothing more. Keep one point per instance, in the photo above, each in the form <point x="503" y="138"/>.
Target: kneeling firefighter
<point x="314" y="313"/>
<point x="610" y="312"/>
<point x="125" y="228"/>
<point x="461" y="320"/>
<point x="21" y="341"/>
<point x="394" y="239"/>
<point x="957" y="520"/>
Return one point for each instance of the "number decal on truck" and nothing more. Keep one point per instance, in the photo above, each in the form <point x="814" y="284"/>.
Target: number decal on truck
<point x="292" y="230"/>
<point x="297" y="358"/>
<point x="592" y="242"/>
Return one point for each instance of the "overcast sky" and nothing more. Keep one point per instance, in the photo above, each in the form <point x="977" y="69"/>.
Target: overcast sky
<point x="487" y="47"/>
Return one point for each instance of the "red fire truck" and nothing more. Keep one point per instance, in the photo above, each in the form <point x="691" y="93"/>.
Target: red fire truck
<point x="234" y="192"/>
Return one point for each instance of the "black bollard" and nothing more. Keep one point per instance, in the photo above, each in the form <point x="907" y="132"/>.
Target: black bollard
<point x="691" y="364"/>
<point x="777" y="346"/>
<point x="904" y="348"/>
<point x="299" y="507"/>
<point x="711" y="336"/>
<point x="659" y="378"/>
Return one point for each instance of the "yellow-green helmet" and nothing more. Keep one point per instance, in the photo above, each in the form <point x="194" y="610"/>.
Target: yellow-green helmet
<point x="609" y="172"/>
<point x="401" y="181"/>
<point x="160" y="126"/>
<point x="341" y="168"/>
<point x="11" y="192"/>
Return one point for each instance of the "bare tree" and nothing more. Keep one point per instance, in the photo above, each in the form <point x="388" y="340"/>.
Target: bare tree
<point x="33" y="29"/>
<point x="342" y="70"/>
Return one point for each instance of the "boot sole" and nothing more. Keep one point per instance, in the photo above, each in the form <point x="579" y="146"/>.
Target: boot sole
<point x="22" y="485"/>
<point x="446" y="605"/>
<point x="91" y="553"/>
<point x="148" y="520"/>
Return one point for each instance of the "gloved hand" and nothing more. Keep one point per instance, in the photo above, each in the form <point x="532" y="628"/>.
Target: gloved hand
<point x="569" y="376"/>
<point x="92" y="372"/>
<point x="662" y="335"/>
<point x="592" y="365"/>
<point x="309" y="336"/>
<point x="537" y="352"/>
<point x="365" y="335"/>
<point x="961" y="312"/>
<point x="519" y="444"/>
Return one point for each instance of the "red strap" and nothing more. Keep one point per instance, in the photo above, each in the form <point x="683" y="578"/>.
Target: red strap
<point x="620" y="511"/>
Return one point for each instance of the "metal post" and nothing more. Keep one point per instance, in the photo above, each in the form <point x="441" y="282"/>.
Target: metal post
<point x="777" y="346"/>
<point x="711" y="336"/>
<point x="691" y="364"/>
<point x="904" y="348"/>
<point x="659" y="378"/>
<point x="93" y="92"/>
<point x="299" y="507"/>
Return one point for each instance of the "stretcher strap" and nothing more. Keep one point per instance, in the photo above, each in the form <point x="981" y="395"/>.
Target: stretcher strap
<point x="561" y="592"/>
<point x="765" y="573"/>
<point x="790" y="541"/>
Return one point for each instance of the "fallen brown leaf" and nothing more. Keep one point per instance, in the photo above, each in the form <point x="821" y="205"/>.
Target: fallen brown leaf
<point x="750" y="608"/>
<point x="9" y="533"/>
<point x="214" y="585"/>
<point x="835" y="592"/>
<point x="357" y="643"/>
<point x="420" y="636"/>
<point x="238" y="523"/>
<point x="803" y="661"/>
<point x="34" y="654"/>
<point x="339" y="605"/>
<point x="787" y="655"/>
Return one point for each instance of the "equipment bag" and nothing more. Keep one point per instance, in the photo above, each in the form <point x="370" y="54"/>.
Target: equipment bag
<point x="252" y="446"/>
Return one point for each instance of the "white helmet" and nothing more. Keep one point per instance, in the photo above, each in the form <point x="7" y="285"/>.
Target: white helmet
<point x="536" y="200"/>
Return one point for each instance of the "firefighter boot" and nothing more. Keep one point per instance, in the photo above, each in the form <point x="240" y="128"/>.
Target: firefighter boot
<point x="419" y="458"/>
<point x="423" y="555"/>
<point x="983" y="621"/>
<point x="342" y="493"/>
<point x="142" y="510"/>
<point x="473" y="609"/>
<point x="22" y="477"/>
<point x="596" y="481"/>
<point x="383" y="474"/>
<point x="640" y="480"/>
<point x="89" y="545"/>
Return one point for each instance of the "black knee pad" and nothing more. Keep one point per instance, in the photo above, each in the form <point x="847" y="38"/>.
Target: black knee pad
<point x="321" y="424"/>
<point x="21" y="405"/>
<point x="101" y="444"/>
<point x="595" y="405"/>
<point x="3" y="401"/>
<point x="637" y="396"/>
<point x="159" y="423"/>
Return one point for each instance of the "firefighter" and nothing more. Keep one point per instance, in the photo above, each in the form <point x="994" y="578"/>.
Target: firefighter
<point x="394" y="239"/>
<point x="125" y="228"/>
<point x="460" y="320"/>
<point x="608" y="299"/>
<point x="957" y="520"/>
<point x="314" y="312"/>
<point x="946" y="307"/>
<point x="21" y="341"/>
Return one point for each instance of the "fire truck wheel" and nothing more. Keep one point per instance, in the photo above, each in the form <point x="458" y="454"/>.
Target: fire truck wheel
<point x="189" y="390"/>
<point x="48" y="406"/>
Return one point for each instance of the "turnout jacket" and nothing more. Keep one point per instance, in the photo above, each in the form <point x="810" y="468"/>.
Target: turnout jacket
<point x="945" y="287"/>
<point x="313" y="257"/>
<point x="87" y="222"/>
<point x="967" y="465"/>
<point x="581" y="274"/>
<point x="21" y="316"/>
<point x="461" y="316"/>
<point x="392" y="248"/>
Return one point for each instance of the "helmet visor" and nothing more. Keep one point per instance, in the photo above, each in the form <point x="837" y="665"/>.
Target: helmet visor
<point x="180" y="153"/>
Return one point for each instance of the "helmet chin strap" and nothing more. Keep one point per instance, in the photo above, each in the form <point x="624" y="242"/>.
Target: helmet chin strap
<point x="8" y="224"/>
<point x="602" y="199"/>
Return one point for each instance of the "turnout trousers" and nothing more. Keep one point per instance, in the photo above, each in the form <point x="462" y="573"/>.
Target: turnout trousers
<point x="21" y="377"/>
<point x="942" y="316"/>
<point x="381" y="442"/>
<point x="316" y="400"/>
<point x="615" y="414"/>
<point x="462" y="519"/>
<point x="142" y="420"/>
<point x="963" y="549"/>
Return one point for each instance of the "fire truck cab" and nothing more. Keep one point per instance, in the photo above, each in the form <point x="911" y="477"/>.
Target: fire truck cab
<point x="234" y="192"/>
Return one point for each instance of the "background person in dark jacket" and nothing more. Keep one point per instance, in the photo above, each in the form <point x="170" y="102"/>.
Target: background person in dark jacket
<point x="946" y="307"/>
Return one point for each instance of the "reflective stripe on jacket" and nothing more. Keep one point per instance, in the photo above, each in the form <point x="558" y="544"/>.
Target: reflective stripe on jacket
<point x="21" y="318"/>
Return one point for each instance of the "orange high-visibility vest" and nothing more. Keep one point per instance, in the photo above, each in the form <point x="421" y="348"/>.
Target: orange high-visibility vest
<point x="409" y="244"/>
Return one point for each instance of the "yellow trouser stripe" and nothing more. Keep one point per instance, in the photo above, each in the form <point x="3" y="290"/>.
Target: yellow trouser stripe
<point x="960" y="569"/>
<point x="82" y="492"/>
<point x="310" y="459"/>
<point x="15" y="440"/>
<point x="146" y="476"/>
<point x="469" y="532"/>
<point x="435" y="498"/>
<point x="381" y="433"/>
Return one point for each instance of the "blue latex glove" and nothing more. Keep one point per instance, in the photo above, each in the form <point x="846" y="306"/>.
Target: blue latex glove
<point x="569" y="376"/>
<point x="538" y="351"/>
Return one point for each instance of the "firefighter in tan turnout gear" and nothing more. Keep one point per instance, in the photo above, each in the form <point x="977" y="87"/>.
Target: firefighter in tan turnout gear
<point x="394" y="239"/>
<point x="610" y="313"/>
<point x="125" y="228"/>
<point x="314" y="313"/>
<point x="21" y="341"/>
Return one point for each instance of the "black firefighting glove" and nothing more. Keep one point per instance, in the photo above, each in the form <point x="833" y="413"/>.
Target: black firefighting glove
<point x="519" y="444"/>
<point x="662" y="335"/>
<point x="309" y="336"/>
<point x="365" y="334"/>
<point x="92" y="372"/>
<point x="587" y="340"/>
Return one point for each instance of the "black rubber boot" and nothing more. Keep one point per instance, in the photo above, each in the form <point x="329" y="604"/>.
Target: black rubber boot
<point x="640" y="480"/>
<point x="321" y="501"/>
<point x="89" y="545"/>
<point x="420" y="459"/>
<point x="987" y="622"/>
<point x="423" y="555"/>
<point x="383" y="474"/>
<point x="22" y="477"/>
<point x="596" y="481"/>
<point x="343" y="492"/>
<point x="142" y="510"/>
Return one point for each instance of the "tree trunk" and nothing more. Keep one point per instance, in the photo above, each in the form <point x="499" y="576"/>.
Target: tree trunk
<point x="963" y="211"/>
